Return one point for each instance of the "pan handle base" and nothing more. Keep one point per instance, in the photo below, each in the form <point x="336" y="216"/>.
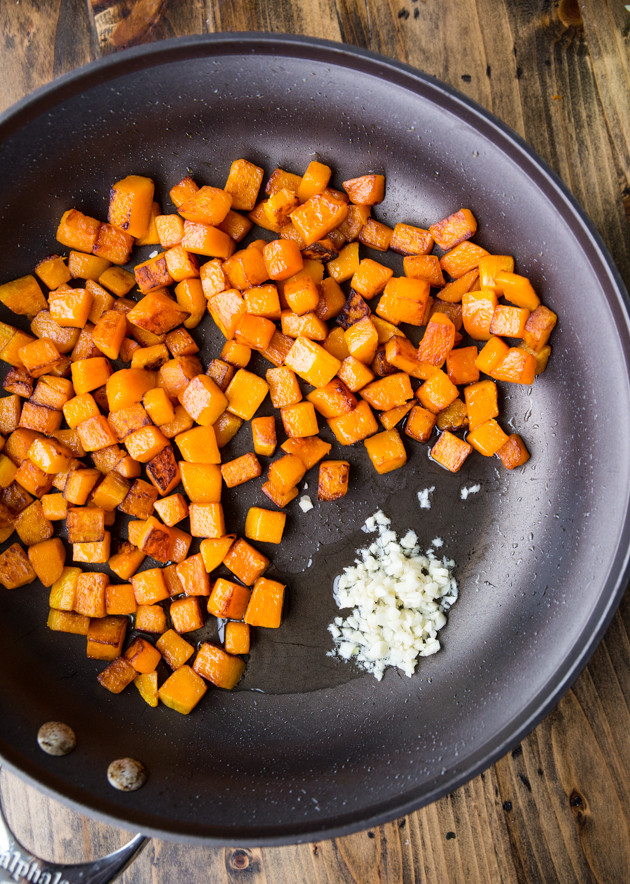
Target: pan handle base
<point x="17" y="864"/>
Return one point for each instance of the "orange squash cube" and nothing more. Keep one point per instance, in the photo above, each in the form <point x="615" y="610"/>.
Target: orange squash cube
<point x="89" y="598"/>
<point x="186" y="614"/>
<point x="105" y="637"/>
<point x="245" y="562"/>
<point x="538" y="328"/>
<point x="228" y="599"/>
<point x="149" y="587"/>
<point x="453" y="230"/>
<point x="311" y="362"/>
<point x="517" y="367"/>
<point x="170" y="229"/>
<point x="193" y="576"/>
<point x="368" y="190"/>
<point x="450" y="451"/>
<point x="236" y="226"/>
<point x="208" y="205"/>
<point x="354" y="374"/>
<point x="151" y="618"/>
<point x="489" y="266"/>
<point x="481" y="403"/>
<point x="172" y="509"/>
<point x="214" y="549"/>
<point x="409" y="240"/>
<point x="126" y="561"/>
<point x="320" y="214"/>
<point x="241" y="469"/>
<point x="386" y="451"/>
<point x="461" y="365"/>
<point x="15" y="568"/>
<point x="182" y="690"/>
<point x="266" y="526"/>
<point x="264" y="435"/>
<point x="163" y="470"/>
<point x="276" y="495"/>
<point x="90" y="374"/>
<point x="206" y="520"/>
<point x="310" y="451"/>
<point x="487" y="438"/>
<point x="245" y="393"/>
<point x="147" y="684"/>
<point x="513" y="452"/>
<point x="243" y="184"/>
<point x="388" y="392"/>
<point x="183" y="190"/>
<point x="370" y="278"/>
<point x="254" y="332"/>
<point x="333" y="479"/>
<point x="437" y="392"/>
<point x="509" y="321"/>
<point x="117" y="675"/>
<point x="299" y="420"/>
<point x="354" y="426"/>
<point x="286" y="472"/>
<point x="426" y="267"/>
<point x="265" y="605"/>
<point x="130" y="203"/>
<point x="218" y="667"/>
<point x="203" y="400"/>
<point x="202" y="482"/>
<point x="283" y="259"/>
<point x="315" y="180"/>
<point x="77" y="231"/>
<point x="174" y="649"/>
<point x="437" y="341"/>
<point x="237" y="638"/>
<point x="376" y="235"/>
<point x="420" y="424"/>
<point x="119" y="599"/>
<point x="53" y="271"/>
<point x="70" y="307"/>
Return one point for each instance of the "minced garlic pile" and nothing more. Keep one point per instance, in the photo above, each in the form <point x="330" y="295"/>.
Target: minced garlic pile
<point x="398" y="597"/>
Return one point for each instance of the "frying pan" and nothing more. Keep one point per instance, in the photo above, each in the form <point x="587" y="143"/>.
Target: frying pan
<point x="307" y="746"/>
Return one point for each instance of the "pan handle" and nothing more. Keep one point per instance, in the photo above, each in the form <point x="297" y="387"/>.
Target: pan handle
<point x="17" y="864"/>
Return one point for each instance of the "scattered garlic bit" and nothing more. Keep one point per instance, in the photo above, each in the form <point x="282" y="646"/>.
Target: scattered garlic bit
<point x="398" y="597"/>
<point x="466" y="491"/>
<point x="127" y="774"/>
<point x="423" y="497"/>
<point x="437" y="542"/>
<point x="305" y="503"/>
<point x="56" y="738"/>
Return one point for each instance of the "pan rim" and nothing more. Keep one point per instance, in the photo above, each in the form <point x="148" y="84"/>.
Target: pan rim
<point x="545" y="179"/>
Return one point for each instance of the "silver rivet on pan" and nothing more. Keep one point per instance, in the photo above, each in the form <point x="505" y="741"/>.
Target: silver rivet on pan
<point x="127" y="774"/>
<point x="56" y="738"/>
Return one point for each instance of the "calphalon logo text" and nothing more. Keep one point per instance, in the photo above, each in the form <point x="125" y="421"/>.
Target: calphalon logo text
<point x="20" y="869"/>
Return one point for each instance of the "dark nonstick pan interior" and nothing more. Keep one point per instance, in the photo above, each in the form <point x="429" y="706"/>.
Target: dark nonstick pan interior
<point x="308" y="745"/>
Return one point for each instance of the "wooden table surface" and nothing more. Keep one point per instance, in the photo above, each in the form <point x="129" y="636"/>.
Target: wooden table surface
<point x="558" y="807"/>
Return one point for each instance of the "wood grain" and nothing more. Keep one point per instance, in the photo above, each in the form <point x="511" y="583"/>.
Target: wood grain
<point x="556" y="808"/>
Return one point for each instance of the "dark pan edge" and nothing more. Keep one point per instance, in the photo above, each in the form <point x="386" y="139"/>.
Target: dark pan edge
<point x="551" y="185"/>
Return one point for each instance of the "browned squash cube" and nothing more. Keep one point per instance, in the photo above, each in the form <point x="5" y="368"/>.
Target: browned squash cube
<point x="15" y="568"/>
<point x="140" y="500"/>
<point x="32" y="525"/>
<point x="105" y="637"/>
<point x="117" y="676"/>
<point x="333" y="479"/>
<point x="163" y="471"/>
<point x="89" y="598"/>
<point x="85" y="524"/>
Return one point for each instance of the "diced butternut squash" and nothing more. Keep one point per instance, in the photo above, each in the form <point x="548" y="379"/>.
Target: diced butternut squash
<point x="182" y="690"/>
<point x="218" y="667"/>
<point x="264" y="525"/>
<point x="265" y="605"/>
<point x="332" y="483"/>
<point x="386" y="451"/>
